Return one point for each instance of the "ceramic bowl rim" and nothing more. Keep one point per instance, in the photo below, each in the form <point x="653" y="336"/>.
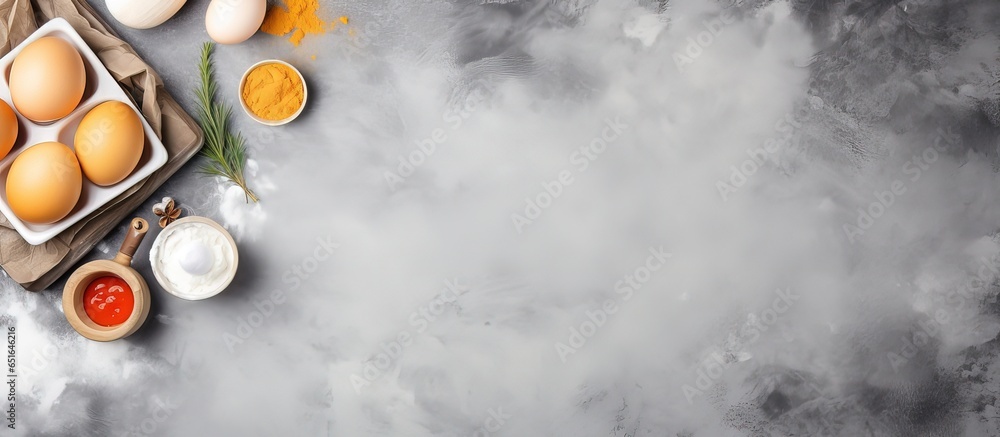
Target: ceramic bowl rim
<point x="160" y="277"/>
<point x="266" y="122"/>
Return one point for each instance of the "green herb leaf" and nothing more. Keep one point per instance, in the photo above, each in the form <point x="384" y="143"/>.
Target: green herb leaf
<point x="226" y="151"/>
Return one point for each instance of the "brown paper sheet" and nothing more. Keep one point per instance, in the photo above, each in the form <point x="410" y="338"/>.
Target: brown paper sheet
<point x="37" y="267"/>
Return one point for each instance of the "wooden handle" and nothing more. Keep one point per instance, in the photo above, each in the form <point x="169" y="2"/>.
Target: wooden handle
<point x="137" y="230"/>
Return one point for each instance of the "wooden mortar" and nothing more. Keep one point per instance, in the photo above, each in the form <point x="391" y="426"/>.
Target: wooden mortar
<point x="120" y="267"/>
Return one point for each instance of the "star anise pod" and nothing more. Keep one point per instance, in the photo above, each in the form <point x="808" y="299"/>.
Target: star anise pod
<point x="167" y="210"/>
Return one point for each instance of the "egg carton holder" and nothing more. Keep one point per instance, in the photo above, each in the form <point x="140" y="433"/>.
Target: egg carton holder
<point x="101" y="87"/>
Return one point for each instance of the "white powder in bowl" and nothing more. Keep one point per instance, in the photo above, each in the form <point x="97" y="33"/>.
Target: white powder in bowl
<point x="193" y="260"/>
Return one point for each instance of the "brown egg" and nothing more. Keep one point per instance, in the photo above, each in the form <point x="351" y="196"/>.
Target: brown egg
<point x="44" y="183"/>
<point x="47" y="79"/>
<point x="109" y="143"/>
<point x="8" y="129"/>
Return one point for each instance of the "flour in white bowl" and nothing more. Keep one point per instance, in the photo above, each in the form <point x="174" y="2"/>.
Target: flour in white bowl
<point x="193" y="260"/>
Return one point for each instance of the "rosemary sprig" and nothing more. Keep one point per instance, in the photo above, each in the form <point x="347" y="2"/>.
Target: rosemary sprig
<point x="226" y="151"/>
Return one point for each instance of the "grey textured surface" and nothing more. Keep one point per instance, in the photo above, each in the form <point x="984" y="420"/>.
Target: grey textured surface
<point x="388" y="291"/>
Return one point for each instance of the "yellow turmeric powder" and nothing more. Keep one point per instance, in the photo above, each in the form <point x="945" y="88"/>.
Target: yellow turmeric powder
<point x="298" y="17"/>
<point x="273" y="91"/>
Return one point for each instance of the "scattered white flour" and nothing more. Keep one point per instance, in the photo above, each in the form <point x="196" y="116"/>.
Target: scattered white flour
<point x="243" y="219"/>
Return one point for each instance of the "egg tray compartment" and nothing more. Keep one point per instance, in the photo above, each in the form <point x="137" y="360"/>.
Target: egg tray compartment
<point x="101" y="87"/>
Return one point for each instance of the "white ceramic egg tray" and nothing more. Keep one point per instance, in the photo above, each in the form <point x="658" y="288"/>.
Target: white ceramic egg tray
<point x="101" y="87"/>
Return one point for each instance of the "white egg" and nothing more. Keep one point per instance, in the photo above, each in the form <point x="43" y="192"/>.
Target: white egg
<point x="143" y="14"/>
<point x="234" y="21"/>
<point x="197" y="259"/>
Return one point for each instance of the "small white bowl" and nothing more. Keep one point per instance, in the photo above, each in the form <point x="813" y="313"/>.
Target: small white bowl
<point x="155" y="254"/>
<point x="246" y="109"/>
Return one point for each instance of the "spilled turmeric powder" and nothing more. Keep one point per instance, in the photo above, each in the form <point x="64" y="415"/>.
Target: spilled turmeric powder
<point x="296" y="17"/>
<point x="273" y="91"/>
